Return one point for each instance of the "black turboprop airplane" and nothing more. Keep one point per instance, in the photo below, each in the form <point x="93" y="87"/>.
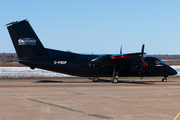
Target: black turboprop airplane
<point x="32" y="53"/>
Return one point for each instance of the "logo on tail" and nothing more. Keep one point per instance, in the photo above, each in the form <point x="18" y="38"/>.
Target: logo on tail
<point x="26" y="41"/>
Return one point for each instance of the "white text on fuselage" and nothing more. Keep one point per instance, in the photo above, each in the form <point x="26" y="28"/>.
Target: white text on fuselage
<point x="60" y="62"/>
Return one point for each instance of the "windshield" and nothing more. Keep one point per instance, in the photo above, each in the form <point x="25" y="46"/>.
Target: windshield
<point x="153" y="61"/>
<point x="159" y="62"/>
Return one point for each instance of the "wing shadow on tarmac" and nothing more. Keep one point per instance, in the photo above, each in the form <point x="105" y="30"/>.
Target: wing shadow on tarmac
<point x="48" y="81"/>
<point x="101" y="80"/>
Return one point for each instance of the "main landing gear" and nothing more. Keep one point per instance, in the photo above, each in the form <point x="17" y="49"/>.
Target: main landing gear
<point x="115" y="76"/>
<point x="95" y="79"/>
<point x="164" y="79"/>
<point x="114" y="79"/>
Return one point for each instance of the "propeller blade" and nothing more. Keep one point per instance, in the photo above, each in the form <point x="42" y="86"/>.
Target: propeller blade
<point x="142" y="63"/>
<point x="142" y="51"/>
<point x="142" y="67"/>
<point x="121" y="50"/>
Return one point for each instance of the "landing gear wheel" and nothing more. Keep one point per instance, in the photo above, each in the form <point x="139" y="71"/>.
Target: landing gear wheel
<point x="95" y="79"/>
<point x="164" y="80"/>
<point x="114" y="80"/>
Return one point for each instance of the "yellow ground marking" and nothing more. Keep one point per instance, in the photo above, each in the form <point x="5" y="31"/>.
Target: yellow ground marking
<point x="176" y="116"/>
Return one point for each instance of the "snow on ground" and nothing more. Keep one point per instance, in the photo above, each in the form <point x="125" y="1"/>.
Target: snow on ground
<point x="177" y="68"/>
<point x="26" y="72"/>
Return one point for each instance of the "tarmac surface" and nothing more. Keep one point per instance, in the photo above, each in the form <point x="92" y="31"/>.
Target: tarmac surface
<point x="81" y="99"/>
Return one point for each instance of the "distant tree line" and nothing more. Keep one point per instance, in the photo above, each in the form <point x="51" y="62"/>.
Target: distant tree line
<point x="166" y="57"/>
<point x="8" y="57"/>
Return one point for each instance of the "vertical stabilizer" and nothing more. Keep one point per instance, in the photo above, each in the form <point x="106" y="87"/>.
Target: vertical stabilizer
<point x="25" y="40"/>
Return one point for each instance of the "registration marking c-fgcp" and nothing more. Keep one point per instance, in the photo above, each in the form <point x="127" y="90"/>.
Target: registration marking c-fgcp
<point x="60" y="62"/>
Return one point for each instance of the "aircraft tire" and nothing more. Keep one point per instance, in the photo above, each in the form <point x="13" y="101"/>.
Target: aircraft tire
<point x="164" y="80"/>
<point x="114" y="80"/>
<point x="95" y="79"/>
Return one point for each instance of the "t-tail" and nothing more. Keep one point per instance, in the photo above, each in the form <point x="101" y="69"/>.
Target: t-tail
<point x="27" y="44"/>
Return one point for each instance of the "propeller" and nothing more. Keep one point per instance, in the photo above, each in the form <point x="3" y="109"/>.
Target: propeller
<point x="142" y="63"/>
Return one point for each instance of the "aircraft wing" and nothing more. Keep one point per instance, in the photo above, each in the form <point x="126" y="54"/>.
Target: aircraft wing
<point x="118" y="59"/>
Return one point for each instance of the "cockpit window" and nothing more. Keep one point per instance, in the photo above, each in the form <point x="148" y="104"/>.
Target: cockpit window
<point x="158" y="62"/>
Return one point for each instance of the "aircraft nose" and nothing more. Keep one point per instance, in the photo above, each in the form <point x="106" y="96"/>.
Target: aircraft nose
<point x="172" y="71"/>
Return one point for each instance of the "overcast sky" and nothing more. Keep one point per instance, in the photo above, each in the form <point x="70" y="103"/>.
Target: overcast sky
<point x="97" y="26"/>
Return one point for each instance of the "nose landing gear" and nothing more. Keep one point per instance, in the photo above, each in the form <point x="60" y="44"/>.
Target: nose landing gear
<point x="164" y="79"/>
